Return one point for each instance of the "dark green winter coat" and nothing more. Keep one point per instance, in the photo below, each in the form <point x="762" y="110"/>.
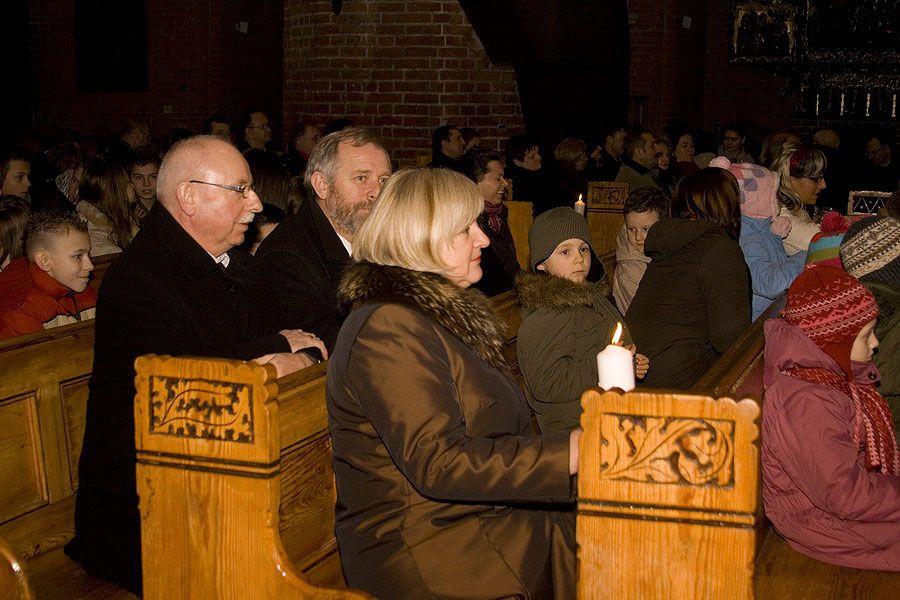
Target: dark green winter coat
<point x="887" y="356"/>
<point x="564" y="325"/>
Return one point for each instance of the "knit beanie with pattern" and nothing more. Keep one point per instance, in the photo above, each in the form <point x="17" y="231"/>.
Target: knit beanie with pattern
<point x="552" y="228"/>
<point x="831" y="308"/>
<point x="871" y="250"/>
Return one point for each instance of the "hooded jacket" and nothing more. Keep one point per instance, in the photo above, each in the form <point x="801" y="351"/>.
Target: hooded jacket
<point x="771" y="270"/>
<point x="887" y="330"/>
<point x="31" y="300"/>
<point x="564" y="325"/>
<point x="433" y="450"/>
<point x="816" y="489"/>
<point x="693" y="301"/>
<point x="631" y="263"/>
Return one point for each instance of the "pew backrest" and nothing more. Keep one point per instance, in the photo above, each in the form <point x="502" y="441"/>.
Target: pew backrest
<point x="668" y="494"/>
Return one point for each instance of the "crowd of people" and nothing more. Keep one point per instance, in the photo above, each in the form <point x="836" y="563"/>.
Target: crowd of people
<point x="228" y="248"/>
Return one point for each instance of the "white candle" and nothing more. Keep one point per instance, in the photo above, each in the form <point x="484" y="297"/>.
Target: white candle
<point x="615" y="366"/>
<point x="579" y="206"/>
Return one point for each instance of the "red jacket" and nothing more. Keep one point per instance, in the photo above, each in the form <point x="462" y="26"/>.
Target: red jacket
<point x="816" y="489"/>
<point x="29" y="298"/>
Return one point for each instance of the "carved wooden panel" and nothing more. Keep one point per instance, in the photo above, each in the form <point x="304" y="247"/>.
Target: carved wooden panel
<point x="667" y="450"/>
<point x="201" y="408"/>
<point x="74" y="396"/>
<point x="22" y="480"/>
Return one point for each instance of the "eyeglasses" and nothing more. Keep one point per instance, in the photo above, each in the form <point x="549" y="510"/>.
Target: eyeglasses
<point x="265" y="126"/>
<point x="876" y="151"/>
<point x="243" y="190"/>
<point x="815" y="179"/>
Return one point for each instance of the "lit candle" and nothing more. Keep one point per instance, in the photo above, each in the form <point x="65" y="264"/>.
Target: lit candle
<point x="868" y="102"/>
<point x="615" y="365"/>
<point x="579" y="206"/>
<point x="842" y="104"/>
<point x="894" y="106"/>
<point x="817" y="103"/>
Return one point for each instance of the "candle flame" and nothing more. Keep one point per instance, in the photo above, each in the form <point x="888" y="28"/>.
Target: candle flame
<point x="617" y="335"/>
<point x="579" y="197"/>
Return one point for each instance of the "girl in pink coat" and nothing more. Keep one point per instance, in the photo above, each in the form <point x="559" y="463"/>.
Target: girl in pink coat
<point x="831" y="482"/>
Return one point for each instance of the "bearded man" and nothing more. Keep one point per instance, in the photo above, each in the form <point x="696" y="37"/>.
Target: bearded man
<point x="303" y="259"/>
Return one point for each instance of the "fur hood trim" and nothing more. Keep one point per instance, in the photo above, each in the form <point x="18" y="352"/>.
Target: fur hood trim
<point x="545" y="292"/>
<point x="466" y="313"/>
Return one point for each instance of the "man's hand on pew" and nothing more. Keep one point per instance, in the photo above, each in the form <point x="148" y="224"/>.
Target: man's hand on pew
<point x="301" y="340"/>
<point x="286" y="363"/>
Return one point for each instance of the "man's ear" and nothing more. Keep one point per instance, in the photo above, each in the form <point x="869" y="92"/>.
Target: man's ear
<point x="319" y="184"/>
<point x="541" y="267"/>
<point x="42" y="259"/>
<point x="186" y="198"/>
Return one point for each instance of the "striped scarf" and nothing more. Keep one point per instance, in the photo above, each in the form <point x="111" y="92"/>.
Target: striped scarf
<point x="874" y="424"/>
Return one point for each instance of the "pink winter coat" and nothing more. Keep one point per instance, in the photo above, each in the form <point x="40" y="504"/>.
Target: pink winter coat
<point x="816" y="489"/>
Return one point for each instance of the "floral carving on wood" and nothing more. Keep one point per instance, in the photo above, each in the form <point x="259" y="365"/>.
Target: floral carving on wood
<point x="200" y="408"/>
<point x="667" y="450"/>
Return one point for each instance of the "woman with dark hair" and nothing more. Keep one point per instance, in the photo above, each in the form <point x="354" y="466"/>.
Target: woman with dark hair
<point x="498" y="261"/>
<point x="270" y="178"/>
<point x="694" y="299"/>
<point x="440" y="477"/>
<point x="104" y="200"/>
<point x="571" y="161"/>
<point x="801" y="171"/>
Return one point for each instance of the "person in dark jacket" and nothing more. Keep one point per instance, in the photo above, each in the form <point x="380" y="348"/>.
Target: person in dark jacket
<point x="443" y="488"/>
<point x="178" y="289"/>
<point x="498" y="261"/>
<point x="303" y="258"/>
<point x="525" y="170"/>
<point x="694" y="298"/>
<point x="566" y="319"/>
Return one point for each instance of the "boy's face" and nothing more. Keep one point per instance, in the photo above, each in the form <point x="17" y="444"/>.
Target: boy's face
<point x="17" y="182"/>
<point x="571" y="259"/>
<point x="143" y="182"/>
<point x="637" y="224"/>
<point x="66" y="259"/>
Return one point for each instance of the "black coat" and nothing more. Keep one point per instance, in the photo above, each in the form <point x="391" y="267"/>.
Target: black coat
<point x="499" y="265"/>
<point x="302" y="261"/>
<point x="692" y="303"/>
<point x="165" y="295"/>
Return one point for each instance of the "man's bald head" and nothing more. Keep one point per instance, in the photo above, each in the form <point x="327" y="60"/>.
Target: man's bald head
<point x="193" y="158"/>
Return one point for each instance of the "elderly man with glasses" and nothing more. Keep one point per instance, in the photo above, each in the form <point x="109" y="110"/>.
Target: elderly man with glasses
<point x="180" y="288"/>
<point x="254" y="130"/>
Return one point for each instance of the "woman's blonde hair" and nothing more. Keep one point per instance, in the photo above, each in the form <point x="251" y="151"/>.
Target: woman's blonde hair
<point x="796" y="161"/>
<point x="417" y="214"/>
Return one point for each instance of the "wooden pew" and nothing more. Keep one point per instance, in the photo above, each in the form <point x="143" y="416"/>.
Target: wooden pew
<point x="669" y="489"/>
<point x="43" y="396"/>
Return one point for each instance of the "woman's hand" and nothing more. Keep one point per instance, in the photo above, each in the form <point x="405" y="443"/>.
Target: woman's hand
<point x="574" y="440"/>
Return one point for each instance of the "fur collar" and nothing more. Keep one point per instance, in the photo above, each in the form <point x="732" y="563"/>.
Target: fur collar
<point x="466" y="313"/>
<point x="537" y="291"/>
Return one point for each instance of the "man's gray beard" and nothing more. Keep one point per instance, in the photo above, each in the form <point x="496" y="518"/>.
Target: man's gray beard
<point x="347" y="216"/>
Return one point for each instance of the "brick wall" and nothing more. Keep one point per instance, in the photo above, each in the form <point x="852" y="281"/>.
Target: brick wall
<point x="400" y="68"/>
<point x="197" y="64"/>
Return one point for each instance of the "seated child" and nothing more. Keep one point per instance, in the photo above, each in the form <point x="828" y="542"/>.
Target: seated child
<point x="642" y="209"/>
<point x="831" y="471"/>
<point x="566" y="319"/>
<point x="48" y="286"/>
<point x="13" y="217"/>
<point x="142" y="173"/>
<point x="15" y="171"/>
<point x="762" y="231"/>
<point x="870" y="251"/>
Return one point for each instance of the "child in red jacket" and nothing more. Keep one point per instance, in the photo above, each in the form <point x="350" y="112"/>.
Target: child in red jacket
<point x="831" y="471"/>
<point x="48" y="286"/>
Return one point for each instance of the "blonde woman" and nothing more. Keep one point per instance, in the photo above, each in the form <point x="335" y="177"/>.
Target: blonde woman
<point x="801" y="173"/>
<point x="435" y="459"/>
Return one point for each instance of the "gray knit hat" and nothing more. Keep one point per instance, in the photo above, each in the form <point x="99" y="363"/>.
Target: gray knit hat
<point x="553" y="227"/>
<point x="871" y="250"/>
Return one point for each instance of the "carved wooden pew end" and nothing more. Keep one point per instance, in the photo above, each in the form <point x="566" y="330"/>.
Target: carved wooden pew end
<point x="668" y="496"/>
<point x="209" y="482"/>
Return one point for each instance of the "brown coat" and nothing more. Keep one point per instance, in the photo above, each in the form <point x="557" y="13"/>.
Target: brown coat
<point x="434" y="455"/>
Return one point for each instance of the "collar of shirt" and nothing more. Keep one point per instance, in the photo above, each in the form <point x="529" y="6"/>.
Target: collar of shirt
<point x="347" y="245"/>
<point x="222" y="259"/>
